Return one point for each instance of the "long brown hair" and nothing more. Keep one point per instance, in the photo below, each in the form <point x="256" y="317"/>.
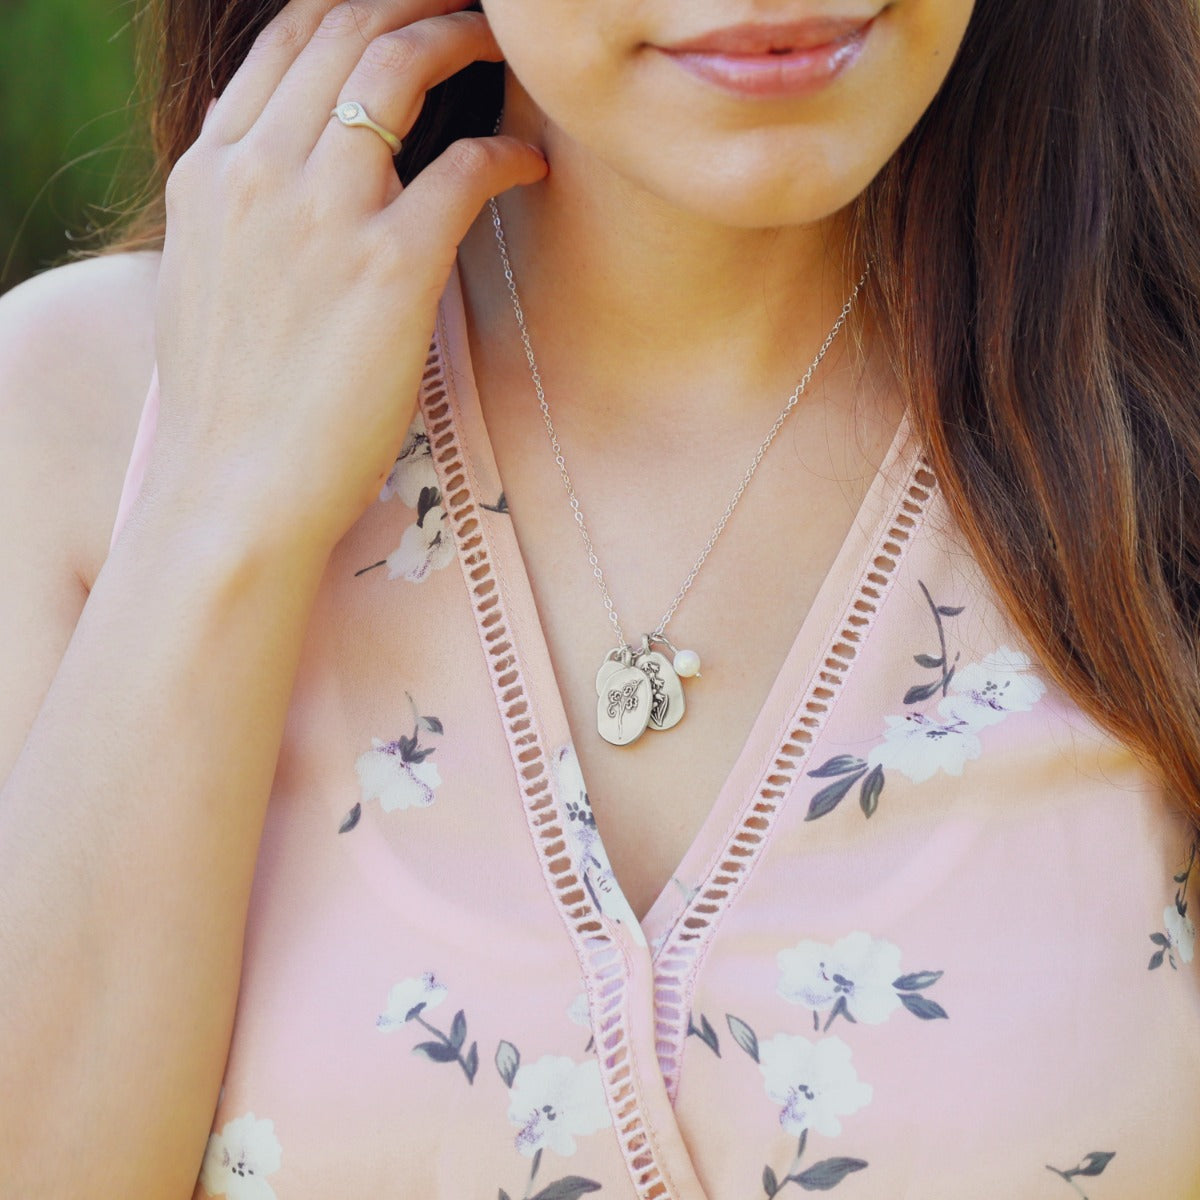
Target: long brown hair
<point x="1036" y="243"/>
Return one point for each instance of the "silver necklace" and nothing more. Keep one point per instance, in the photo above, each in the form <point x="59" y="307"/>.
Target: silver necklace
<point x="639" y="688"/>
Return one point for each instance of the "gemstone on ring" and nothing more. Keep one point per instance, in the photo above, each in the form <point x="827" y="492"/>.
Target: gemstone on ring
<point x="352" y="114"/>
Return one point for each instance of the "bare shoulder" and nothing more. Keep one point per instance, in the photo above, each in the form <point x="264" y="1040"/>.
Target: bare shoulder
<point x="76" y="355"/>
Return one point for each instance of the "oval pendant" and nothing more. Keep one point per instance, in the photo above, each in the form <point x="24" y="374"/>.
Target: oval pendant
<point x="623" y="706"/>
<point x="666" y="699"/>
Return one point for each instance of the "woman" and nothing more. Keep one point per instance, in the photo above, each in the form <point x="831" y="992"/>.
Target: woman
<point x="892" y="308"/>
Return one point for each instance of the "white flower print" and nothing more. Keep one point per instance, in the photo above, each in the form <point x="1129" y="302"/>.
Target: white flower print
<point x="413" y="469"/>
<point x="921" y="743"/>
<point x="238" y="1159"/>
<point x="858" y="972"/>
<point x="814" y="1082"/>
<point x="555" y="1100"/>
<point x="1177" y="944"/>
<point x="384" y="774"/>
<point x="587" y="850"/>
<point x="919" y="746"/>
<point x="984" y="693"/>
<point x="1181" y="933"/>
<point x="425" y="547"/>
<point x="981" y="694"/>
<point x="410" y="997"/>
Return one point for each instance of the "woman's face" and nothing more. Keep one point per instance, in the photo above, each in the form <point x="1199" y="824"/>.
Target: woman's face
<point x="752" y="113"/>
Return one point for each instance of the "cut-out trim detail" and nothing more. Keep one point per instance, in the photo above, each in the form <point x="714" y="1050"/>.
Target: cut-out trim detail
<point x="679" y="957"/>
<point x="599" y="952"/>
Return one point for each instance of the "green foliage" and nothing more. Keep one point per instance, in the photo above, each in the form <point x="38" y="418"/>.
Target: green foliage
<point x="66" y="126"/>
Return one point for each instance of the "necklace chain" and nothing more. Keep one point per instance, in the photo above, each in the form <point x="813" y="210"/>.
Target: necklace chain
<point x="660" y="631"/>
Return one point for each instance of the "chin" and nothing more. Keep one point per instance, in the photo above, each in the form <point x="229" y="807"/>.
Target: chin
<point x="767" y="205"/>
<point x="756" y="196"/>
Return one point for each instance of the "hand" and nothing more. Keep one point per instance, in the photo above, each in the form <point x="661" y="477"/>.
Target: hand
<point x="299" y="282"/>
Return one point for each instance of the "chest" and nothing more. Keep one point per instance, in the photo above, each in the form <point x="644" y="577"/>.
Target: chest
<point x="651" y="797"/>
<point x="742" y="612"/>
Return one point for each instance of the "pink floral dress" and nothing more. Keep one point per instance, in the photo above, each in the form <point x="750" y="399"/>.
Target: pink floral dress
<point x="933" y="939"/>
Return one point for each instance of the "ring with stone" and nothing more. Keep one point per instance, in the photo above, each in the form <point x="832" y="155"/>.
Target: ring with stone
<point x="352" y="114"/>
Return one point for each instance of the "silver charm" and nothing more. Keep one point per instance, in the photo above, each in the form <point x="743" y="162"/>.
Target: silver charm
<point x="666" y="702"/>
<point x="623" y="702"/>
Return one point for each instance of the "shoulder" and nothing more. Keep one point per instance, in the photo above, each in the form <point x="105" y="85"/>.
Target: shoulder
<point x="76" y="356"/>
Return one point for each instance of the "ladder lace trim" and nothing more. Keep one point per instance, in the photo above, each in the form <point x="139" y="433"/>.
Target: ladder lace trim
<point x="602" y="957"/>
<point x="681" y="953"/>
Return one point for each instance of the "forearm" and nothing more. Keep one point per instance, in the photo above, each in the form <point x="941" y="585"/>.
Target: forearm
<point x="129" y="829"/>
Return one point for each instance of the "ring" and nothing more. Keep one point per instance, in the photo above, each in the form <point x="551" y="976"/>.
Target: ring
<point x="352" y="114"/>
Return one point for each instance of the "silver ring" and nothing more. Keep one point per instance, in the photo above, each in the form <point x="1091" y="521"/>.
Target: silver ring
<point x="352" y="114"/>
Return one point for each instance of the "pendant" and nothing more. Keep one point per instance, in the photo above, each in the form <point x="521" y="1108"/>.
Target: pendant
<point x="623" y="702"/>
<point x="666" y="699"/>
<point x="641" y="689"/>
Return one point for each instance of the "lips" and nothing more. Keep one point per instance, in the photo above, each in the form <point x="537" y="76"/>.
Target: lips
<point x="753" y="39"/>
<point x="772" y="61"/>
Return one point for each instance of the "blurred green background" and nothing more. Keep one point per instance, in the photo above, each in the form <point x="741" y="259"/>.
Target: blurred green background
<point x="70" y="141"/>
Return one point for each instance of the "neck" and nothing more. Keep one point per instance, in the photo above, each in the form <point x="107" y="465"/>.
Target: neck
<point x="633" y="304"/>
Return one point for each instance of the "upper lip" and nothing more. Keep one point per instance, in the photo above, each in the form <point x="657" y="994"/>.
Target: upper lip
<point x="764" y="38"/>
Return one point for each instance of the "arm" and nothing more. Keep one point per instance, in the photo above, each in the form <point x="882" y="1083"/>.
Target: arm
<point x="144" y="730"/>
<point x="129" y="827"/>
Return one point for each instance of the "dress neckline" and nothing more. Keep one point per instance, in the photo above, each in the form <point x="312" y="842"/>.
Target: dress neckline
<point x="661" y="952"/>
<point x="815" y="633"/>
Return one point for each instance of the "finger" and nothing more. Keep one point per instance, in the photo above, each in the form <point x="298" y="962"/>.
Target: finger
<point x="390" y="82"/>
<point x="299" y="108"/>
<point x="266" y="63"/>
<point x="437" y="208"/>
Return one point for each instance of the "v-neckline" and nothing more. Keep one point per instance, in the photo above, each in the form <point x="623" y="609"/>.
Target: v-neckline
<point x="770" y="726"/>
<point x="638" y="976"/>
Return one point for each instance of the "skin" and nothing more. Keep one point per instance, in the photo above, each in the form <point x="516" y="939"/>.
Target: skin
<point x="679" y="271"/>
<point x="590" y="80"/>
<point x="711" y="214"/>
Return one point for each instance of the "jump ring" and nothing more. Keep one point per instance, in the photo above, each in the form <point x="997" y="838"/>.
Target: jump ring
<point x="352" y="114"/>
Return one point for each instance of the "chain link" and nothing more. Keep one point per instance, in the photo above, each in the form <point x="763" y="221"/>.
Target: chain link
<point x="560" y="461"/>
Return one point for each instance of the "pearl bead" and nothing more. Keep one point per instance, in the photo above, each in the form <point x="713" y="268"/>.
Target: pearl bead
<point x="686" y="663"/>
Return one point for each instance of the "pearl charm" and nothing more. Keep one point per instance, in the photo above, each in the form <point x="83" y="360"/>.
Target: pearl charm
<point x="686" y="663"/>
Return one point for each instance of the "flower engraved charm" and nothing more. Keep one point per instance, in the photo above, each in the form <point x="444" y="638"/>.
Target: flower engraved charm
<point x="666" y="699"/>
<point x="623" y="702"/>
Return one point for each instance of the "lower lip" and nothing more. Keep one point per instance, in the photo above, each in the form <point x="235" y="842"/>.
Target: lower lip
<point x="797" y="73"/>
